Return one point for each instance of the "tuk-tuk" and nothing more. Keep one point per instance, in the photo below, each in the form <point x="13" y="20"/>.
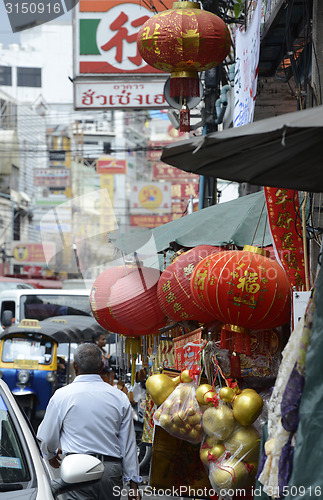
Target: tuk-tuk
<point x="32" y="362"/>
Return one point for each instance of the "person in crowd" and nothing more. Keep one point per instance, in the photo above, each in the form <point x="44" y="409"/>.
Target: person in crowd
<point x="89" y="416"/>
<point x="107" y="373"/>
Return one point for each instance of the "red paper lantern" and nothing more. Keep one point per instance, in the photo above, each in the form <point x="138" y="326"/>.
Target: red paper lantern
<point x="173" y="290"/>
<point x="133" y="299"/>
<point x="100" y="301"/>
<point x="183" y="41"/>
<point x="244" y="289"/>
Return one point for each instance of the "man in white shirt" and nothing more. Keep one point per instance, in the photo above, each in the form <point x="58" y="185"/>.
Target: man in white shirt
<point x="90" y="416"/>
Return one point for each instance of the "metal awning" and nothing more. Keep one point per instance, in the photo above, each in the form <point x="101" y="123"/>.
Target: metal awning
<point x="282" y="151"/>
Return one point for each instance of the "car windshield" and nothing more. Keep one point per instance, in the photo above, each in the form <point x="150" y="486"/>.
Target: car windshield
<point x="13" y="463"/>
<point x="46" y="306"/>
<point x="25" y="351"/>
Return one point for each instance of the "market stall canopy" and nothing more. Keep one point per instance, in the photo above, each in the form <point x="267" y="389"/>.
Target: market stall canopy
<point x="239" y="222"/>
<point x="62" y="329"/>
<point x="283" y="151"/>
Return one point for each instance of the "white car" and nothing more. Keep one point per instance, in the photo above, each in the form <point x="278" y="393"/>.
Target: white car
<point x="24" y="474"/>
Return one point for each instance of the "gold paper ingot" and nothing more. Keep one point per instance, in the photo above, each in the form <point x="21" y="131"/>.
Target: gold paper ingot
<point x="229" y="474"/>
<point x="160" y="386"/>
<point x="218" y="422"/>
<point x="203" y="393"/>
<point x="247" y="406"/>
<point x="227" y="394"/>
<point x="244" y="444"/>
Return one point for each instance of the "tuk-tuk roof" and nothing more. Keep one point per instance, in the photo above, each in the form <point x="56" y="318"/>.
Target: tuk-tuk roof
<point x="62" y="329"/>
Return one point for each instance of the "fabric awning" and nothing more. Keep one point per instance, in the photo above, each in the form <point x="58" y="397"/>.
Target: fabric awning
<point x="283" y="151"/>
<point x="239" y="222"/>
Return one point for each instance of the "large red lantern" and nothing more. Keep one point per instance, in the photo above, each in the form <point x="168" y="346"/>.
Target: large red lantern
<point x="183" y="41"/>
<point x="133" y="299"/>
<point x="100" y="301"/>
<point x="245" y="290"/>
<point x="173" y="290"/>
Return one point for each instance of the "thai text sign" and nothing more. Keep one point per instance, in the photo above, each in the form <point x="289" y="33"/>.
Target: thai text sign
<point x="151" y="221"/>
<point x="119" y="95"/>
<point x="52" y="177"/>
<point x="162" y="172"/>
<point x="110" y="165"/>
<point x="31" y="252"/>
<point x="105" y="36"/>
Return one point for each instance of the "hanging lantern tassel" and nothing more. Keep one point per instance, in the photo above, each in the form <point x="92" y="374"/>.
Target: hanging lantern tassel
<point x="235" y="365"/>
<point x="184" y="118"/>
<point x="184" y="83"/>
<point x="133" y="348"/>
<point x="235" y="338"/>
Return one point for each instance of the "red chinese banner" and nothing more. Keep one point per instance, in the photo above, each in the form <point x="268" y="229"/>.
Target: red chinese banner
<point x="187" y="350"/>
<point x="286" y="230"/>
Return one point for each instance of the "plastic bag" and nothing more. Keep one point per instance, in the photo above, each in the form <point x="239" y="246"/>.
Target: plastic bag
<point x="232" y="463"/>
<point x="180" y="414"/>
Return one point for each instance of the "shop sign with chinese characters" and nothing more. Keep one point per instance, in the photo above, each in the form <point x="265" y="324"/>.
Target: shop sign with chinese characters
<point x="105" y="36"/>
<point x="119" y="95"/>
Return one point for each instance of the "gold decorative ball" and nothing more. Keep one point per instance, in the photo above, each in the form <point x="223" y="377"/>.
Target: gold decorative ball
<point x="164" y="420"/>
<point x="176" y="419"/>
<point x="247" y="406"/>
<point x="194" y="436"/>
<point x="218" y="422"/>
<point x="185" y="377"/>
<point x="211" y="441"/>
<point x="194" y="419"/>
<point x="230" y="474"/>
<point x="227" y="394"/>
<point x="157" y="414"/>
<point x="217" y="450"/>
<point x="204" y="452"/>
<point x="244" y="443"/>
<point x="203" y="392"/>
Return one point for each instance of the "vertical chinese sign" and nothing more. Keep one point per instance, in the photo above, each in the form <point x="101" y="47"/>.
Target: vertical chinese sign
<point x="105" y="45"/>
<point x="286" y="231"/>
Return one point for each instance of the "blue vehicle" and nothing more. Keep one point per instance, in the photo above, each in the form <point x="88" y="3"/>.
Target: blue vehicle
<point x="31" y="359"/>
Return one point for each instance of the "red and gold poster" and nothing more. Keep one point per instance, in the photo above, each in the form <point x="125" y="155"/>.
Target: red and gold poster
<point x="286" y="229"/>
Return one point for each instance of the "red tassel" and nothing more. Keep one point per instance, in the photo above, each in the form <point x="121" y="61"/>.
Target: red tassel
<point x="235" y="366"/>
<point x="225" y="338"/>
<point x="184" y="120"/>
<point x="185" y="87"/>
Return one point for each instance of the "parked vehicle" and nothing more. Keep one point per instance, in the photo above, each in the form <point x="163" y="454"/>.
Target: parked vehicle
<point x="32" y="362"/>
<point x="40" y="304"/>
<point x="24" y="474"/>
<point x="7" y="283"/>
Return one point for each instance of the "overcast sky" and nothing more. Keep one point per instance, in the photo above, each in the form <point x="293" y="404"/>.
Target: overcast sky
<point x="6" y="34"/>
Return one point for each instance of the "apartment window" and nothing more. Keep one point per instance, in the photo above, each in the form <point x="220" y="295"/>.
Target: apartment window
<point x="29" y="77"/>
<point x="5" y="75"/>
